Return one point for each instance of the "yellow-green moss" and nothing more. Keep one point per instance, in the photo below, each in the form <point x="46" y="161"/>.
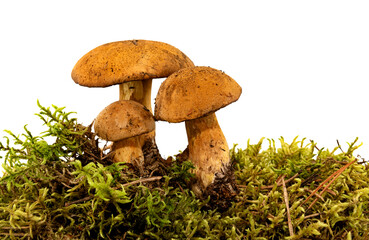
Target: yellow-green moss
<point x="70" y="189"/>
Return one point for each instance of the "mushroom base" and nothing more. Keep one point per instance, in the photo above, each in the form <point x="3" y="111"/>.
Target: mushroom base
<point x="128" y="150"/>
<point x="223" y="190"/>
<point x="208" y="150"/>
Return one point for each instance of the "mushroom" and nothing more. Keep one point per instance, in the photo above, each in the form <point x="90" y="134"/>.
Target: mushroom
<point x="193" y="95"/>
<point x="132" y="64"/>
<point x="122" y="122"/>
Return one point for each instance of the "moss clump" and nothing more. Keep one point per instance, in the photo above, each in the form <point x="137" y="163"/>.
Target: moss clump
<point x="62" y="185"/>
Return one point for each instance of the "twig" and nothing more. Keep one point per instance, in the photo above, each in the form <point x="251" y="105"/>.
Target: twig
<point x="312" y="215"/>
<point x="334" y="176"/>
<point x="279" y="182"/>
<point x="331" y="192"/>
<point x="180" y="188"/>
<point x="14" y="228"/>
<point x="316" y="194"/>
<point x="338" y="173"/>
<point x="78" y="201"/>
<point x="142" y="180"/>
<point x="65" y="185"/>
<point x="363" y="161"/>
<point x="339" y="146"/>
<point x="311" y="141"/>
<point x="14" y="234"/>
<point x="91" y="154"/>
<point x="285" y="197"/>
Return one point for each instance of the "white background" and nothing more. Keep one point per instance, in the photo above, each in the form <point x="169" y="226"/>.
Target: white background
<point x="303" y="65"/>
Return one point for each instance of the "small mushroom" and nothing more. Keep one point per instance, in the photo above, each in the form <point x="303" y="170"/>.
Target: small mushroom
<point x="193" y="95"/>
<point x="122" y="122"/>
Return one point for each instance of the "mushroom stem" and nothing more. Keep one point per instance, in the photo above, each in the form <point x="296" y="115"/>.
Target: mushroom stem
<point x="128" y="150"/>
<point x="139" y="91"/>
<point x="208" y="149"/>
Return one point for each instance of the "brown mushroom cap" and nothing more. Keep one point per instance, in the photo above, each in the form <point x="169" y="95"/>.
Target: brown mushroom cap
<point x="194" y="92"/>
<point x="124" y="61"/>
<point x="123" y="119"/>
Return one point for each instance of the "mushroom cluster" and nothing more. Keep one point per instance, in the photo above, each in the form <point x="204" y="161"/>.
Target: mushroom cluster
<point x="189" y="93"/>
<point x="131" y="64"/>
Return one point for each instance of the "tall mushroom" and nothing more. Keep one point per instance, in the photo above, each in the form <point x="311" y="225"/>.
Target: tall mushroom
<point x="193" y="95"/>
<point x="122" y="122"/>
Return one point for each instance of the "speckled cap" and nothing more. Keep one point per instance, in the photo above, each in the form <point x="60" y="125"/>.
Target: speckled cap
<point x="124" y="61"/>
<point x="123" y="119"/>
<point x="194" y="92"/>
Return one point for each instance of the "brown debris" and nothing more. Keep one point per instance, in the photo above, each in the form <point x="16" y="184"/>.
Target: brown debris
<point x="223" y="190"/>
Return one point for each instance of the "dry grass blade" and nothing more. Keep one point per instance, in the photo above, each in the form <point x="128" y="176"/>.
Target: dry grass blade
<point x="285" y="197"/>
<point x="316" y="194"/>
<point x="278" y="182"/>
<point x="335" y="175"/>
<point x="14" y="234"/>
<point x="142" y="180"/>
<point x="79" y="201"/>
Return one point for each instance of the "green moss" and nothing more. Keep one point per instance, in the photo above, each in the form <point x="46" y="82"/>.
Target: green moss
<point x="61" y="185"/>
